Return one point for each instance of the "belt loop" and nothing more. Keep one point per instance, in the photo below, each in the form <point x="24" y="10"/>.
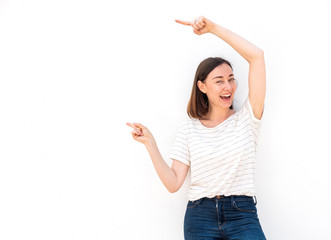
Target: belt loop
<point x="255" y="200"/>
<point x="232" y="201"/>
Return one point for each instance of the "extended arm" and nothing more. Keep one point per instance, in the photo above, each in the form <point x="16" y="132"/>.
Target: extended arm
<point x="253" y="55"/>
<point x="172" y="177"/>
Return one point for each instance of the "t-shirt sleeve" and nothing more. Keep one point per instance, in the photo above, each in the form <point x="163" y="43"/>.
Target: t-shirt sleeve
<point x="247" y="107"/>
<point x="180" y="149"/>
<point x="248" y="120"/>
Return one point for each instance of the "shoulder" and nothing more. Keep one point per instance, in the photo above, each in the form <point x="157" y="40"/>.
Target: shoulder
<point x="188" y="125"/>
<point x="246" y="109"/>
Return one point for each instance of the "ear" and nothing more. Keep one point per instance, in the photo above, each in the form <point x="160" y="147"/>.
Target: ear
<point x="201" y="86"/>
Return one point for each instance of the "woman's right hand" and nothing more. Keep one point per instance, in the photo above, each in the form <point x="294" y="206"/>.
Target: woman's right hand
<point x="141" y="133"/>
<point x="200" y="25"/>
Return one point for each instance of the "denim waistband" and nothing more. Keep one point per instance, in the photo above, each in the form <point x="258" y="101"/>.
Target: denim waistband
<point x="226" y="198"/>
<point x="233" y="198"/>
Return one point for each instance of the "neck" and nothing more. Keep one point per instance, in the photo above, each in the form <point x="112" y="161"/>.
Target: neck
<point x="218" y="114"/>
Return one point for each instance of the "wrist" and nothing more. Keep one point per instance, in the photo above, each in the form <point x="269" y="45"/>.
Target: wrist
<point x="151" y="145"/>
<point x="214" y="28"/>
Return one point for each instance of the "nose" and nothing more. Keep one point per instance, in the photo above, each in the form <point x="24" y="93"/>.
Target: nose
<point x="227" y="86"/>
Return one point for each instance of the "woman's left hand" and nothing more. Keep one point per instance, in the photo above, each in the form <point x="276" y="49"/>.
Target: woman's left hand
<point x="200" y="25"/>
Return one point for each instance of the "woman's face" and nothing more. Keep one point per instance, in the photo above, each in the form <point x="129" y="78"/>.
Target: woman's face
<point x="220" y="86"/>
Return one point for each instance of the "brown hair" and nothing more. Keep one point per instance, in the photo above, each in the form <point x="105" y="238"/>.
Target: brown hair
<point x="198" y="105"/>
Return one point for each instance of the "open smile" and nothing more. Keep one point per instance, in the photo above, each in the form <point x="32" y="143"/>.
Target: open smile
<point x="226" y="97"/>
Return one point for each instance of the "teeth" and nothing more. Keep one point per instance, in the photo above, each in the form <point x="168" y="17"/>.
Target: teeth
<point x="226" y="95"/>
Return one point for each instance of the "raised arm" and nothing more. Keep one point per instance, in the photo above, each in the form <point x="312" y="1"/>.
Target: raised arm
<point x="253" y="55"/>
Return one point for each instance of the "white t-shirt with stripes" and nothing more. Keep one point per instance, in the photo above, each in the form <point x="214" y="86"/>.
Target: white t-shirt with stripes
<point x="222" y="158"/>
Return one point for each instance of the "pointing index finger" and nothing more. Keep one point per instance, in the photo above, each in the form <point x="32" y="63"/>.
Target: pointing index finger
<point x="139" y="125"/>
<point x="187" y="23"/>
<point x="131" y="125"/>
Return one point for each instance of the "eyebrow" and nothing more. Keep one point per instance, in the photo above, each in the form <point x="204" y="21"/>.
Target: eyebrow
<point x="231" y="75"/>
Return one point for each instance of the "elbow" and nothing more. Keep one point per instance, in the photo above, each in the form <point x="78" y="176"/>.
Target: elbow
<point x="260" y="53"/>
<point x="173" y="189"/>
<point x="257" y="57"/>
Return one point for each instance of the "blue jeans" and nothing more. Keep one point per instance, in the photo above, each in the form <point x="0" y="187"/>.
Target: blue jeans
<point x="222" y="218"/>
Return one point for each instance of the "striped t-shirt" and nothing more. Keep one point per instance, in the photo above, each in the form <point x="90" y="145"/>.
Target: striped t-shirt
<point x="222" y="158"/>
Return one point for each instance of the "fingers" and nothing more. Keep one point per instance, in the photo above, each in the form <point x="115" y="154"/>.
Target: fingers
<point x="200" y="23"/>
<point x="135" y="125"/>
<point x="135" y="133"/>
<point x="187" y="23"/>
<point x="136" y="136"/>
<point x="130" y="125"/>
<point x="139" y="125"/>
<point x="197" y="24"/>
<point x="137" y="128"/>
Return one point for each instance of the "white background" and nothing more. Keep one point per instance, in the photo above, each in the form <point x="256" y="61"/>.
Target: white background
<point x="72" y="73"/>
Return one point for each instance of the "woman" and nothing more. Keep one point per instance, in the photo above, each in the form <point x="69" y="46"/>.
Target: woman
<point x="217" y="143"/>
